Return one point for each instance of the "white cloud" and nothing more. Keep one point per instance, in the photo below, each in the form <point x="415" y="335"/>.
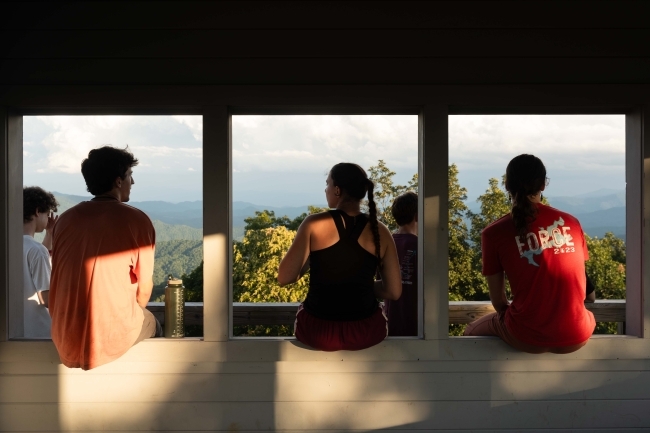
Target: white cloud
<point x="562" y="136"/>
<point x="194" y="123"/>
<point x="315" y="143"/>
<point x="70" y="138"/>
<point x="153" y="151"/>
<point x="582" y="152"/>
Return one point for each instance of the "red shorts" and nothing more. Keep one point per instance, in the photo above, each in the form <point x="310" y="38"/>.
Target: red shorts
<point x="495" y="324"/>
<point x="331" y="335"/>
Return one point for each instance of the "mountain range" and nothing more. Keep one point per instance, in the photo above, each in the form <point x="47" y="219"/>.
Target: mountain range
<point x="598" y="211"/>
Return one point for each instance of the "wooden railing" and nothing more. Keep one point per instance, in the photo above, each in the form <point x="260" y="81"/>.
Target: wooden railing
<point x="284" y="313"/>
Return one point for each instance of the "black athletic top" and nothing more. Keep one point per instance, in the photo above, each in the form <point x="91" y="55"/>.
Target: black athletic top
<point x="342" y="275"/>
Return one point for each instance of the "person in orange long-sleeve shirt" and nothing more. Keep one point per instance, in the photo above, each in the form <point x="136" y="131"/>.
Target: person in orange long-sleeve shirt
<point x="102" y="267"/>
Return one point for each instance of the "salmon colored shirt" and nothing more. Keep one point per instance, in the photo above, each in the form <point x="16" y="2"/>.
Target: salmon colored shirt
<point x="101" y="250"/>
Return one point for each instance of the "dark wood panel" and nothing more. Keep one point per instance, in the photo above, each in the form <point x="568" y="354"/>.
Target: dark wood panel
<point x="326" y="43"/>
<point x="324" y="99"/>
<point x="326" y="14"/>
<point x="325" y="71"/>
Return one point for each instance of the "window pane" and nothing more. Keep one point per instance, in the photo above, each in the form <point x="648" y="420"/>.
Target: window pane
<point x="584" y="157"/>
<point x="168" y="180"/>
<point x="280" y="164"/>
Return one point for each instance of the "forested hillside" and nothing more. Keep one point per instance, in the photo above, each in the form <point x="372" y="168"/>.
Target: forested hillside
<point x="177" y="258"/>
<point x="179" y="247"/>
<point x="169" y="232"/>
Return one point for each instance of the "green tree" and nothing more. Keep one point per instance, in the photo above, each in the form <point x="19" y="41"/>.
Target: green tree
<point x="385" y="192"/>
<point x="255" y="267"/>
<point x="255" y="271"/>
<point x="606" y="270"/>
<point x="193" y="283"/>
<point x="465" y="281"/>
<point x="266" y="219"/>
<point x="606" y="266"/>
<point x="494" y="204"/>
<point x="176" y="257"/>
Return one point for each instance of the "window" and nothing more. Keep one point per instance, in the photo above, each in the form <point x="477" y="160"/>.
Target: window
<point x="168" y="184"/>
<point x="280" y="163"/>
<point x="585" y="160"/>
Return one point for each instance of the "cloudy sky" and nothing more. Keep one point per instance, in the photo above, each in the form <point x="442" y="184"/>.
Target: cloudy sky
<point x="169" y="149"/>
<point x="582" y="154"/>
<point x="283" y="160"/>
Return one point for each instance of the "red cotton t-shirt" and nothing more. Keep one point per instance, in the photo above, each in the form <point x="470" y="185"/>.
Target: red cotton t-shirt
<point x="546" y="271"/>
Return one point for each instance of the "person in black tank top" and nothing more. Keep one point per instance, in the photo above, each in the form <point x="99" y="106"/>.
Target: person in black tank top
<point x="344" y="248"/>
<point x="353" y="280"/>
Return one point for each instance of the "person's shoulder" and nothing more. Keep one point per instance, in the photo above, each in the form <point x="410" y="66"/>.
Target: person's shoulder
<point x="134" y="212"/>
<point x="505" y="222"/>
<point x="33" y="247"/>
<point x="73" y="210"/>
<point x="557" y="213"/>
<point x="318" y="217"/>
<point x="383" y="230"/>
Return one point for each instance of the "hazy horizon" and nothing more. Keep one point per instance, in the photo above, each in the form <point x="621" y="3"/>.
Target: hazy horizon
<point x="283" y="160"/>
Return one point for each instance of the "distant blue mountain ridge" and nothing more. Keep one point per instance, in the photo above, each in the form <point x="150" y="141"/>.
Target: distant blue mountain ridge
<point x="598" y="211"/>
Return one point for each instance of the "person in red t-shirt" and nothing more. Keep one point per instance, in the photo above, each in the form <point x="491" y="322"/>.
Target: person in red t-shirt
<point x="542" y="251"/>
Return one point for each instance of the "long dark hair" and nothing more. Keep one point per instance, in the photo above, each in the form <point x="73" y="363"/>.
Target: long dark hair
<point x="525" y="175"/>
<point x="353" y="182"/>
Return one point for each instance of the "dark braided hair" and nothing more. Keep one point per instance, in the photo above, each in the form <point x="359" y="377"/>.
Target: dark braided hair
<point x="525" y="175"/>
<point x="354" y="183"/>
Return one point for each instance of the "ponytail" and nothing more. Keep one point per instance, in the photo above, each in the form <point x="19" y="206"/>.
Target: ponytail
<point x="354" y="182"/>
<point x="374" y="225"/>
<point x="523" y="212"/>
<point x="525" y="175"/>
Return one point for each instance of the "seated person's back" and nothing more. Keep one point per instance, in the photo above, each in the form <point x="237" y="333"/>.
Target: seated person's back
<point x="103" y="256"/>
<point x="542" y="252"/>
<point x="341" y="311"/>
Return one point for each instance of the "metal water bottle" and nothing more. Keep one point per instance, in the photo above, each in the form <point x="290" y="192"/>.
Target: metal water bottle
<point x="174" y="308"/>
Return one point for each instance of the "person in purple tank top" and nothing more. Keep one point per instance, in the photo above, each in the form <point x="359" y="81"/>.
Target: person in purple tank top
<point x="403" y="313"/>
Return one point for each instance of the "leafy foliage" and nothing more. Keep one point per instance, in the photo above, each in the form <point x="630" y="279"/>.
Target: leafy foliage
<point x="255" y="267"/>
<point x="385" y="192"/>
<point x="267" y="219"/>
<point x="465" y="280"/>
<point x="494" y="205"/>
<point x="193" y="283"/>
<point x="176" y="257"/>
<point x="170" y="232"/>
<point x="606" y="266"/>
<point x="606" y="269"/>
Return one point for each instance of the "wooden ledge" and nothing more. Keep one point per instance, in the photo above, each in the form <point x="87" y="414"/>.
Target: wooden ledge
<point x="284" y="313"/>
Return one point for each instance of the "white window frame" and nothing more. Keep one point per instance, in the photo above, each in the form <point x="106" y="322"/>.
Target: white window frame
<point x="293" y="111"/>
<point x="634" y="174"/>
<point x="434" y="103"/>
